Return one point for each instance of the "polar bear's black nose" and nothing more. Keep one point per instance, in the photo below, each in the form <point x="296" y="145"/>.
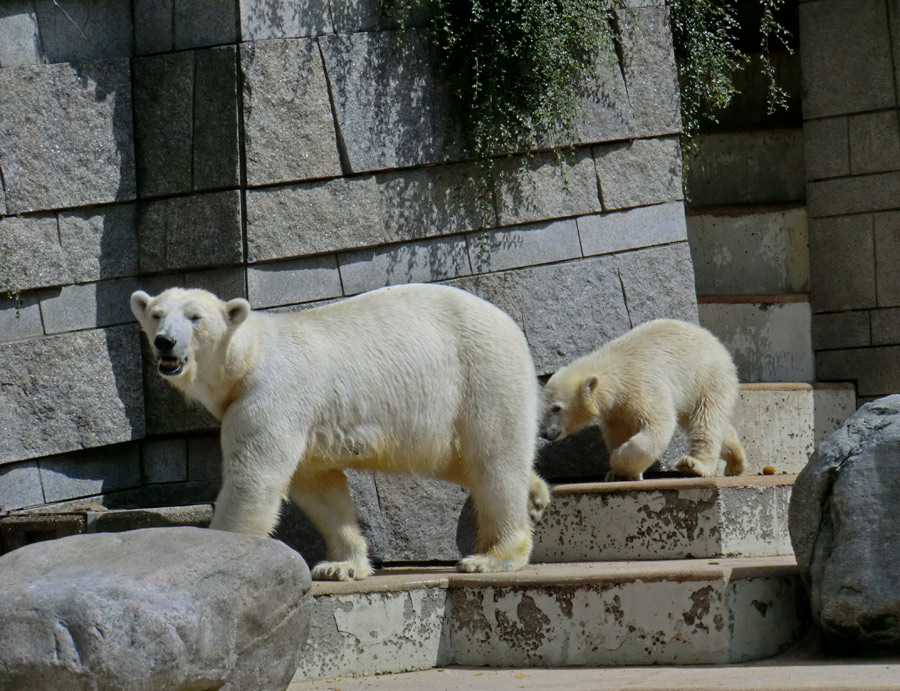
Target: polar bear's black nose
<point x="163" y="344"/>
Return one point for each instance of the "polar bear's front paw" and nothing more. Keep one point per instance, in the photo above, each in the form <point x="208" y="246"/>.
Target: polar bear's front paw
<point x="341" y="571"/>
<point x="538" y="499"/>
<point x="483" y="563"/>
<point x="613" y="476"/>
<point x="692" y="466"/>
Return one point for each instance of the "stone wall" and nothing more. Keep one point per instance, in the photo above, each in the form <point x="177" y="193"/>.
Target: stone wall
<point x="290" y="153"/>
<point x="849" y="51"/>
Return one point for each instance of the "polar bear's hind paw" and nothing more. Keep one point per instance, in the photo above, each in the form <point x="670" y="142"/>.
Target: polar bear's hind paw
<point x="341" y="571"/>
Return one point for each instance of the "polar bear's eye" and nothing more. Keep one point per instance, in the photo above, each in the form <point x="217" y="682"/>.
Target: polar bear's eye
<point x="195" y="318"/>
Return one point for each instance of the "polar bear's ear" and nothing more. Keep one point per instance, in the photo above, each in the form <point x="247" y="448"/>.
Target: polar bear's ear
<point x="236" y="311"/>
<point x="590" y="384"/>
<point x="139" y="302"/>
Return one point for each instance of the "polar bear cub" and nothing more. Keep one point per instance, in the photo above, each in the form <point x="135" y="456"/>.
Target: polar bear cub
<point x="419" y="378"/>
<point x="639" y="386"/>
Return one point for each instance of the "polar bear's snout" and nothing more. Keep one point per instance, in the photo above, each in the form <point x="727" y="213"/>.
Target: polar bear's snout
<point x="170" y="364"/>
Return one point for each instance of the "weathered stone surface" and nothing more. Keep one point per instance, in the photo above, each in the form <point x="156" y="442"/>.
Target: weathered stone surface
<point x="639" y="172"/>
<point x="604" y="111"/>
<point x="845" y="330"/>
<point x="174" y="608"/>
<point x="163" y="122"/>
<point x="760" y="167"/>
<point x="887" y="258"/>
<point x="842" y="263"/>
<point x="650" y="72"/>
<point x="853" y="195"/>
<point x="20" y="41"/>
<point x="644" y="226"/>
<point x="288" y="124"/>
<point x="876" y="371"/>
<point x="117" y="521"/>
<point x="313" y="218"/>
<point x="284" y="19"/>
<point x="547" y="190"/>
<point x="66" y="135"/>
<point x="658" y="283"/>
<point x="69" y="392"/>
<point x="84" y="30"/>
<point x="846" y="54"/>
<point x="90" y="472"/>
<point x="843" y="528"/>
<point x="536" y="243"/>
<point x="826" y="148"/>
<point x="30" y="255"/>
<point x="208" y="23"/>
<point x="216" y="141"/>
<point x="190" y="232"/>
<point x="885" y="328"/>
<point x="20" y="485"/>
<point x="874" y="142"/>
<point x="164" y="460"/>
<point x="755" y="253"/>
<point x="153" y="26"/>
<point x="299" y="280"/>
<point x="20" y="319"/>
<point x="18" y="531"/>
<point x="100" y="243"/>
<point x="390" y="110"/>
<point x="87" y="305"/>
<point x="204" y="457"/>
<point x="834" y="403"/>
<point x="414" y="262"/>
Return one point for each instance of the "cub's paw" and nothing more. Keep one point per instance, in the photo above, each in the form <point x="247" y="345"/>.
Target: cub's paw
<point x="538" y="498"/>
<point x="691" y="466"/>
<point x="483" y="563"/>
<point x="341" y="571"/>
<point x="613" y="476"/>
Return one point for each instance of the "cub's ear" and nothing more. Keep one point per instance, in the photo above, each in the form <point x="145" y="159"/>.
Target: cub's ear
<point x="590" y="384"/>
<point x="236" y="311"/>
<point x="139" y="302"/>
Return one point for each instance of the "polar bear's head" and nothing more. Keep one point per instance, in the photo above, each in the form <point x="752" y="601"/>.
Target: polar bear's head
<point x="186" y="326"/>
<point x="568" y="402"/>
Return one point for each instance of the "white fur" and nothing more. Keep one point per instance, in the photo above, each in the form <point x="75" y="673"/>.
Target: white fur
<point x="417" y="378"/>
<point x="639" y="386"/>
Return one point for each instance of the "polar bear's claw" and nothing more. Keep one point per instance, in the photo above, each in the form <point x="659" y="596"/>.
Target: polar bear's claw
<point x="692" y="466"/>
<point x="483" y="563"/>
<point x="538" y="498"/>
<point x="341" y="571"/>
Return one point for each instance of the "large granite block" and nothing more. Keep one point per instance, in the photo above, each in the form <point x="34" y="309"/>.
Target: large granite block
<point x="536" y="243"/>
<point x="624" y="230"/>
<point x="207" y="23"/>
<point x="843" y="330"/>
<point x="547" y="189"/>
<point x="66" y="135"/>
<point x="604" y="111"/>
<point x="887" y="258"/>
<point x="87" y="305"/>
<point x="163" y="123"/>
<point x="414" y="262"/>
<point x="853" y="195"/>
<point x="20" y="319"/>
<point x="842" y="263"/>
<point x="313" y="218"/>
<point x="190" y="232"/>
<point x="826" y="148"/>
<point x="885" y="327"/>
<point x="100" y="243"/>
<point x="291" y="282"/>
<point x="846" y="55"/>
<point x="84" y="29"/>
<point x="639" y="172"/>
<point x="390" y="111"/>
<point x="20" y="485"/>
<point x="288" y="124"/>
<point x="876" y="371"/>
<point x="226" y="283"/>
<point x="216" y="139"/>
<point x="427" y="202"/>
<point x="69" y="392"/>
<point x="153" y="26"/>
<point x="659" y="283"/>
<point x="90" y="472"/>
<point x="30" y="255"/>
<point x="164" y="460"/>
<point x="874" y="142"/>
<point x="204" y="458"/>
<point x="284" y="19"/>
<point x="650" y="72"/>
<point x="20" y="41"/>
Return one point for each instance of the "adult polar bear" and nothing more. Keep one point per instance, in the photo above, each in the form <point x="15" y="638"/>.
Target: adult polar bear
<point x="420" y="378"/>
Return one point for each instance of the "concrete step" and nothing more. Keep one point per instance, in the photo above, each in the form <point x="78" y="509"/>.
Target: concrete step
<point x="740" y="250"/>
<point x="593" y="614"/>
<point x="769" y="336"/>
<point x="678" y="518"/>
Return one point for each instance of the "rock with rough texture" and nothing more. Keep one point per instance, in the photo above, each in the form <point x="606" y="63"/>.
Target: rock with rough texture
<point x="30" y="254"/>
<point x="843" y="524"/>
<point x="66" y="135"/>
<point x="68" y="392"/>
<point x="160" y="608"/>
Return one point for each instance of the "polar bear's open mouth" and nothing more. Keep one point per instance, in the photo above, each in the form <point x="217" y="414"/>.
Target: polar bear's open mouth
<point x="170" y="366"/>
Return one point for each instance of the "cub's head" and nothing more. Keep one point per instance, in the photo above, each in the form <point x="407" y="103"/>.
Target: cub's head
<point x="569" y="401"/>
<point x="185" y="327"/>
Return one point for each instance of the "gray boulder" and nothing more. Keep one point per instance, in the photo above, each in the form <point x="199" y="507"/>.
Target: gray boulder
<point x="156" y="609"/>
<point x="845" y="530"/>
